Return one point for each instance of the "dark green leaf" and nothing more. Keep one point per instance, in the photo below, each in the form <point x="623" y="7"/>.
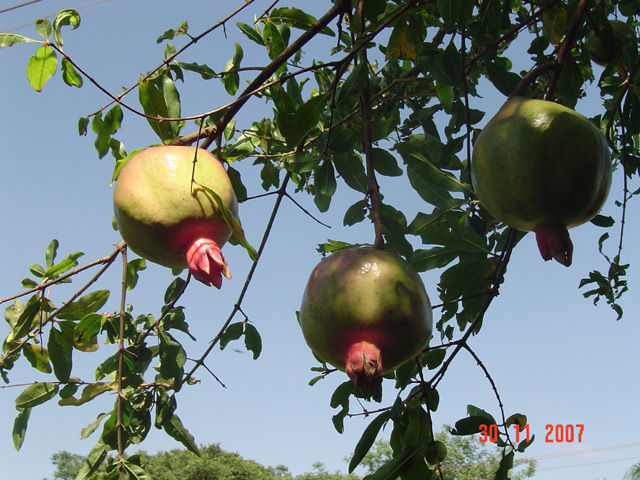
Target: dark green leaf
<point x="93" y="461"/>
<point x="89" y="303"/>
<point x="304" y="162"/>
<point x="174" y="290"/>
<point x="351" y="169"/>
<point x="506" y="464"/>
<point x="354" y="84"/>
<point x="355" y="213"/>
<point x="133" y="267"/>
<point x="86" y="331"/>
<point x="341" y="394"/>
<point x="83" y="123"/>
<point x="433" y="358"/>
<point x="252" y="340"/>
<point x="41" y="67"/>
<point x="366" y="440"/>
<point x="154" y="104"/>
<point x="385" y="164"/>
<point x="20" y="427"/>
<point x="232" y="332"/>
<point x="204" y="70"/>
<point x="394" y="467"/>
<point x="602" y="221"/>
<point x="478" y="412"/>
<point x="36" y="394"/>
<point x="455" y="12"/>
<point x="174" y="427"/>
<point x="60" y="352"/>
<point x="470" y="425"/>
<point x="172" y="356"/>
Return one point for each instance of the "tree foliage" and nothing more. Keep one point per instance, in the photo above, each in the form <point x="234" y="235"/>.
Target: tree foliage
<point x="397" y="95"/>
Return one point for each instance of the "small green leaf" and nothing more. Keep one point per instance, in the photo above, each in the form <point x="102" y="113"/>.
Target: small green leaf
<point x="204" y="70"/>
<point x="174" y="427"/>
<point x="63" y="266"/>
<point x="83" y="124"/>
<point x="10" y="39"/>
<point x="41" y="67"/>
<point x="93" y="461"/>
<point x="341" y="394"/>
<point x="394" y="467"/>
<point x="36" y="394"/>
<point x="251" y="32"/>
<point x="50" y="253"/>
<point x="133" y="267"/>
<point x="43" y="27"/>
<point x="20" y="427"/>
<point x="63" y="18"/>
<point x="506" y="464"/>
<point x="174" y="290"/>
<point x="230" y="77"/>
<point x="351" y="169"/>
<point x="26" y="318"/>
<point x="296" y="18"/>
<point x="236" y="182"/>
<point x="252" y="340"/>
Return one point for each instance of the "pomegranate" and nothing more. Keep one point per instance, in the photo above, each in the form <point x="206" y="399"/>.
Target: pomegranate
<point x="540" y="166"/>
<point x="365" y="311"/>
<point x="166" y="219"/>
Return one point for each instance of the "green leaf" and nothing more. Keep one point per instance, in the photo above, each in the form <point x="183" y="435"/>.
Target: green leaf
<point x="65" y="17"/>
<point x="41" y="67"/>
<point x="478" y="412"/>
<point x="37" y="356"/>
<point x="433" y="358"/>
<point x="36" y="394"/>
<point x="10" y="39"/>
<point x="174" y="290"/>
<point x="83" y="123"/>
<point x="50" y="253"/>
<point x="26" y="318"/>
<point x="172" y="356"/>
<point x="297" y="18"/>
<point x="89" y="303"/>
<point x="232" y="332"/>
<point x="89" y="392"/>
<point x="602" y="221"/>
<point x="366" y="440"/>
<point x="204" y="70"/>
<point x="273" y="40"/>
<point x="43" y="27"/>
<point x="65" y="265"/>
<point x="20" y="427"/>
<point x="295" y="126"/>
<point x="236" y="181"/>
<point x="230" y="77"/>
<point x="351" y="169"/>
<point x="174" y="427"/>
<point x="60" y="352"/>
<point x="455" y="12"/>
<point x="252" y="340"/>
<point x="341" y="394"/>
<point x="251" y="32"/>
<point x="154" y="103"/>
<point x="385" y="164"/>
<point x="354" y="84"/>
<point x="355" y="213"/>
<point x="324" y="185"/>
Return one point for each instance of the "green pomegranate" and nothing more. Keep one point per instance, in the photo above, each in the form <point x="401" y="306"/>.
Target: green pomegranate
<point x="606" y="46"/>
<point x="539" y="166"/>
<point x="169" y="220"/>
<point x="365" y="311"/>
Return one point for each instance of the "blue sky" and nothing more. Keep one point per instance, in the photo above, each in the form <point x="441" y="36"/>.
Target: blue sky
<point x="552" y="354"/>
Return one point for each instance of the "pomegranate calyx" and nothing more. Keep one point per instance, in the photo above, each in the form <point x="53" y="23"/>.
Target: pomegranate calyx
<point x="554" y="242"/>
<point x="206" y="262"/>
<point x="363" y="364"/>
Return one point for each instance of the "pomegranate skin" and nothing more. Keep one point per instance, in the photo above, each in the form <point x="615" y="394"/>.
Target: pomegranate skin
<point x="161" y="217"/>
<point x="540" y="166"/>
<point x="366" y="312"/>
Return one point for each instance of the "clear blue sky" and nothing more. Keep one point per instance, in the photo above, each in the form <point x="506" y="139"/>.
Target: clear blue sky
<point x="552" y="354"/>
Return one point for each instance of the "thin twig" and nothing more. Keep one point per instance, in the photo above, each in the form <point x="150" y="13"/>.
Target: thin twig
<point x="247" y="281"/>
<point x="121" y="353"/>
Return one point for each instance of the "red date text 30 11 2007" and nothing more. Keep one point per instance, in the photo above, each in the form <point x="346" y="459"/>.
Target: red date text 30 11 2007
<point x="559" y="433"/>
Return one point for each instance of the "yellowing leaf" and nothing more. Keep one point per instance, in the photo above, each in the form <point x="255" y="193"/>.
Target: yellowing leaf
<point x="401" y="45"/>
